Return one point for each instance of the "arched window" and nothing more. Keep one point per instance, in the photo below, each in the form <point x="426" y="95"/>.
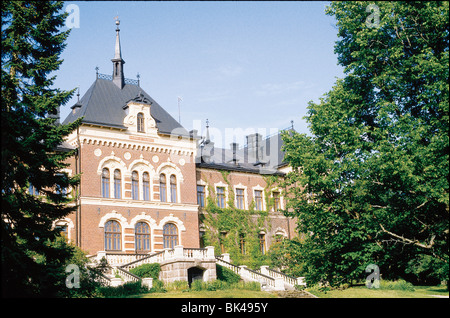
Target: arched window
<point x="140" y="122"/>
<point x="135" y="185"/>
<point x="162" y="188"/>
<point x="146" y="186"/>
<point x="170" y="235"/>
<point x="105" y="183"/>
<point x="117" y="184"/>
<point x="142" y="235"/>
<point x="173" y="188"/>
<point x="112" y="236"/>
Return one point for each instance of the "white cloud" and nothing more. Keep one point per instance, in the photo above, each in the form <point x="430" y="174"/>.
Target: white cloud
<point x="229" y="70"/>
<point x="282" y="88"/>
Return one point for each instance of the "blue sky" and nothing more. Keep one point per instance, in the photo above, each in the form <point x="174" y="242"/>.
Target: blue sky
<point x="243" y="65"/>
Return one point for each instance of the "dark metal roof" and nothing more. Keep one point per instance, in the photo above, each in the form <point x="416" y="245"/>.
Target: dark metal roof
<point x="103" y="104"/>
<point x="240" y="167"/>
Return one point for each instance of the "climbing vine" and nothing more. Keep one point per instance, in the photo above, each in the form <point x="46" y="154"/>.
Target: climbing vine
<point x="236" y="231"/>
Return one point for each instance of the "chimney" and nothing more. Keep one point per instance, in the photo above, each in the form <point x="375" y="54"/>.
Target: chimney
<point x="254" y="145"/>
<point x="234" y="147"/>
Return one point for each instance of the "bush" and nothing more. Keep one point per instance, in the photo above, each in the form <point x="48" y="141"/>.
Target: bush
<point x="177" y="285"/>
<point x="227" y="275"/>
<point x="396" y="285"/>
<point x="127" y="289"/>
<point x="158" y="287"/>
<point x="147" y="270"/>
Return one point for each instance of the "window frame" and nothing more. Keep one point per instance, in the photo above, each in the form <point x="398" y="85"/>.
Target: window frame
<point x="113" y="236"/>
<point x="170" y="240"/>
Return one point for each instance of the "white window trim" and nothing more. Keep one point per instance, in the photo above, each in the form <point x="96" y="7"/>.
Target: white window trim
<point x="222" y="185"/>
<point x="240" y="186"/>
<point x="259" y="188"/>
<point x="280" y="197"/>
<point x="203" y="183"/>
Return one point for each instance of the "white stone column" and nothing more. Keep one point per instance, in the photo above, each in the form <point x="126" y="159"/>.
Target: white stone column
<point x="279" y="283"/>
<point x="178" y="251"/>
<point x="210" y="252"/>
<point x="265" y="270"/>
<point x="243" y="271"/>
<point x="301" y="281"/>
<point x="226" y="257"/>
<point x="148" y="281"/>
<point x="101" y="254"/>
<point x="116" y="282"/>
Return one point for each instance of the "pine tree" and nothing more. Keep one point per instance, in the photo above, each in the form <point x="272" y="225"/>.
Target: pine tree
<point x="32" y="263"/>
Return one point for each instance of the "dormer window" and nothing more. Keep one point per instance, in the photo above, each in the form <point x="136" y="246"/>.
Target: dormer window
<point x="140" y="122"/>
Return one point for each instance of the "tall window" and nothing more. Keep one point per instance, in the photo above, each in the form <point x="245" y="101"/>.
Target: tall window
<point x="276" y="201"/>
<point x="146" y="186"/>
<point x="135" y="185"/>
<point x="242" y="243"/>
<point x="112" y="236"/>
<point x="240" y="198"/>
<point x="140" y="122"/>
<point x="262" y="243"/>
<point x="105" y="183"/>
<point x="258" y="200"/>
<point x="162" y="188"/>
<point x="201" y="195"/>
<point x="142" y="235"/>
<point x="222" y="237"/>
<point x="117" y="183"/>
<point x="220" y="197"/>
<point x="170" y="235"/>
<point x="173" y="188"/>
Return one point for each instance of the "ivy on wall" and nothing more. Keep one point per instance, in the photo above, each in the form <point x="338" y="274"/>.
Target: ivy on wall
<point x="236" y="231"/>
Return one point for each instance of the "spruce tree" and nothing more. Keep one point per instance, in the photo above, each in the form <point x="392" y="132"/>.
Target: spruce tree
<point x="32" y="41"/>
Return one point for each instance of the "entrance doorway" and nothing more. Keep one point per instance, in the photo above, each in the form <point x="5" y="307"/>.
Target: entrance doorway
<point x="194" y="273"/>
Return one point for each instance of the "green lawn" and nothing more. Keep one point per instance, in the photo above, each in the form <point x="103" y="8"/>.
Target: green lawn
<point x="227" y="293"/>
<point x="364" y="292"/>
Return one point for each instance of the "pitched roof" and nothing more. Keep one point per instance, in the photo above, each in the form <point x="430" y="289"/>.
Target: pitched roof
<point x="103" y="103"/>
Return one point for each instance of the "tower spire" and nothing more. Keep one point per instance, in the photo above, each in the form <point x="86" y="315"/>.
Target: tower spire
<point x="118" y="76"/>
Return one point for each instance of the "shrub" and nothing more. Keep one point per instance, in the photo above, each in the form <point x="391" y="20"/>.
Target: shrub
<point x="396" y="285"/>
<point x="177" y="285"/>
<point x="127" y="289"/>
<point x="147" y="270"/>
<point x="227" y="275"/>
<point x="157" y="287"/>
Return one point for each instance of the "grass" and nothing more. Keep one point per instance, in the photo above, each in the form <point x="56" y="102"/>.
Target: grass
<point x="227" y="293"/>
<point x="364" y="292"/>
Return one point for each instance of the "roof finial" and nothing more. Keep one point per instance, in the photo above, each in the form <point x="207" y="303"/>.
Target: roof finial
<point x="207" y="140"/>
<point x="118" y="76"/>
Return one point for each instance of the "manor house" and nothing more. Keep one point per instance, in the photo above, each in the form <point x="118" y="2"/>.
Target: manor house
<point x="146" y="181"/>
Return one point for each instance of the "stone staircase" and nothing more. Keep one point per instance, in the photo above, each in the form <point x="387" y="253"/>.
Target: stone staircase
<point x="121" y="264"/>
<point x="269" y="279"/>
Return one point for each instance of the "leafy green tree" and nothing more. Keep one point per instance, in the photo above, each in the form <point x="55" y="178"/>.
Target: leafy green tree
<point x="32" y="264"/>
<point x="371" y="183"/>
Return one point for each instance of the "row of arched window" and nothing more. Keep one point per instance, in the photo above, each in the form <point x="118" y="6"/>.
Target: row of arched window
<point x="164" y="195"/>
<point x="113" y="236"/>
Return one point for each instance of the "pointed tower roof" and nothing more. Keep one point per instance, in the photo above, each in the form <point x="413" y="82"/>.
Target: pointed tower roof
<point x="103" y="103"/>
<point x="118" y="62"/>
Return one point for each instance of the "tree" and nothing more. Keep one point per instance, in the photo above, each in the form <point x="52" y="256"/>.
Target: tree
<point x="371" y="183"/>
<point x="32" y="263"/>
